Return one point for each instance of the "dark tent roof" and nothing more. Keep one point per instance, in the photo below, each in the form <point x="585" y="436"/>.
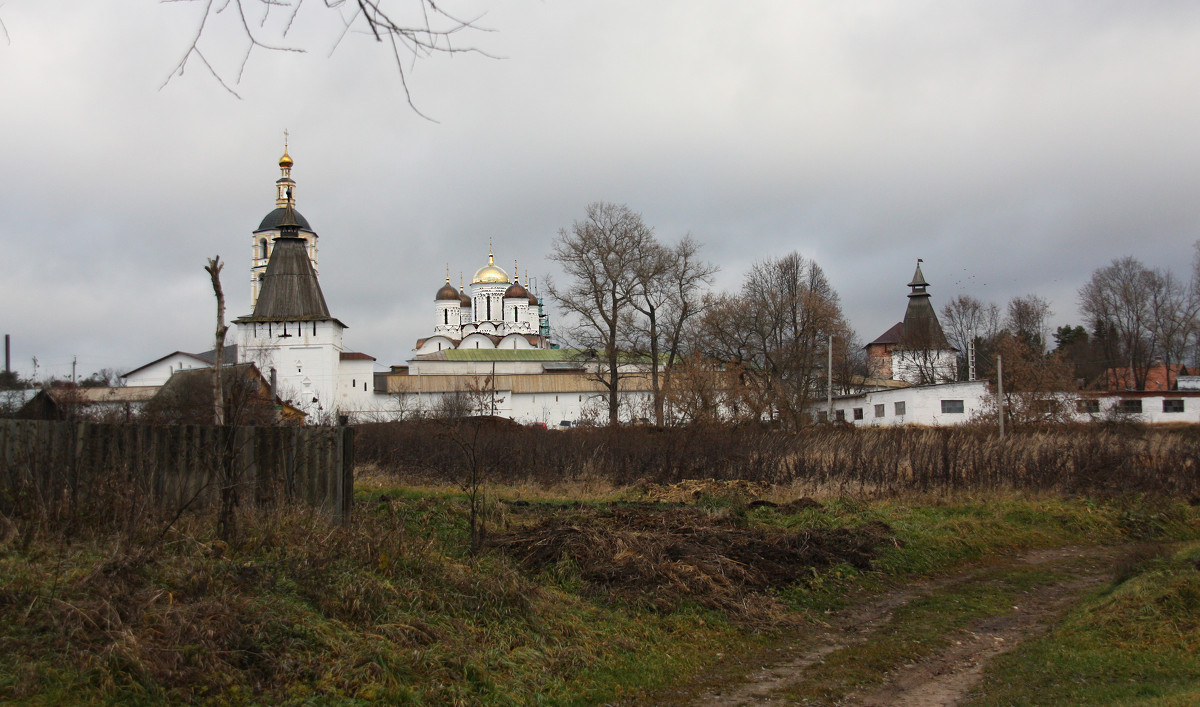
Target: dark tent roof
<point x="891" y="336"/>
<point x="922" y="331"/>
<point x="273" y="220"/>
<point x="290" y="291"/>
<point x="228" y="358"/>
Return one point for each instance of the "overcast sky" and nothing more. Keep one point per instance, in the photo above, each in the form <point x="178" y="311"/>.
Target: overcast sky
<point x="1015" y="146"/>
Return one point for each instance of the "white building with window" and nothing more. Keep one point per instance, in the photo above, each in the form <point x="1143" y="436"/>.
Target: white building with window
<point x="292" y="333"/>
<point x="932" y="405"/>
<point x="290" y="329"/>
<point x="973" y="401"/>
<point x="531" y="386"/>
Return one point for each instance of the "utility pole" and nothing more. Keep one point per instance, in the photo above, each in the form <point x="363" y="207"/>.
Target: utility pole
<point x="971" y="357"/>
<point x="829" y="381"/>
<point x="74" y="360"/>
<point x="1000" y="391"/>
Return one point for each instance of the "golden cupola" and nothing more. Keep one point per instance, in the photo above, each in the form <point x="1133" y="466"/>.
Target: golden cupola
<point x="490" y="273"/>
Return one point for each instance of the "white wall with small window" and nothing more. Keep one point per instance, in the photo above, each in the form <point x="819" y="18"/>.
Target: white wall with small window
<point x="963" y="402"/>
<point x="942" y="404"/>
<point x="1150" y="407"/>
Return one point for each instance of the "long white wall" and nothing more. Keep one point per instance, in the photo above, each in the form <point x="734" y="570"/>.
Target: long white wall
<point x="547" y="408"/>
<point x="944" y="404"/>
<point x="963" y="402"/>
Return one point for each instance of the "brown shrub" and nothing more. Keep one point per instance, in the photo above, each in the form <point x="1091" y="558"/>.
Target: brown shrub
<point x="1071" y="459"/>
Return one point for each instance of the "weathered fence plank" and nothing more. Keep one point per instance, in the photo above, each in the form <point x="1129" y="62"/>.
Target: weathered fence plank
<point x="68" y="462"/>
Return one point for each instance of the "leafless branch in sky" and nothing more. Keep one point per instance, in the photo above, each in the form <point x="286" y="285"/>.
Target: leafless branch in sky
<point x="432" y="31"/>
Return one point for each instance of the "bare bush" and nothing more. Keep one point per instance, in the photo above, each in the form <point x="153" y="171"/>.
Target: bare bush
<point x="1063" y="458"/>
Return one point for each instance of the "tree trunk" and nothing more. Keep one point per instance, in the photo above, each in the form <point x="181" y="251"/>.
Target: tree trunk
<point x="214" y="270"/>
<point x="226" y="519"/>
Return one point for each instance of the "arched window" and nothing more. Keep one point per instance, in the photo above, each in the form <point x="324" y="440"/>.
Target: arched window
<point x="262" y="245"/>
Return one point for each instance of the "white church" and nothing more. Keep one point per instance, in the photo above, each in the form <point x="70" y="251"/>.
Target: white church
<point x="290" y="330"/>
<point x="488" y="340"/>
<point x="494" y="313"/>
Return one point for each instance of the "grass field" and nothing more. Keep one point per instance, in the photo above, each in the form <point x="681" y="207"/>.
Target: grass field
<point x="582" y="594"/>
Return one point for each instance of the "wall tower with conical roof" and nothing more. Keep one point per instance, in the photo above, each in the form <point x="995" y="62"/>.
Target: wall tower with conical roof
<point x="262" y="240"/>
<point x="914" y="350"/>
<point x="291" y="329"/>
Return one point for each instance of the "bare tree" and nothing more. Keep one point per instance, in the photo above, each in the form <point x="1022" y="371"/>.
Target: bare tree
<point x="226" y="518"/>
<point x="700" y="390"/>
<point x="103" y="378"/>
<point x="648" y="299"/>
<point x="600" y="256"/>
<point x="776" y="332"/>
<point x="214" y="270"/>
<point x="667" y="293"/>
<point x="727" y="336"/>
<point x="850" y="367"/>
<point x="1173" y="309"/>
<point x="1034" y="381"/>
<point x="410" y="30"/>
<point x="1027" y="316"/>
<point x="1116" y="301"/>
<point x="965" y="320"/>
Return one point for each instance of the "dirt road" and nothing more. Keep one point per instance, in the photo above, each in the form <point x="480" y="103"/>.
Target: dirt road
<point x="943" y="678"/>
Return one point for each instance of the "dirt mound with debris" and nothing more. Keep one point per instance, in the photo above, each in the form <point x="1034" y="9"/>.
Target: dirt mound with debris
<point x="691" y="489"/>
<point x="662" y="558"/>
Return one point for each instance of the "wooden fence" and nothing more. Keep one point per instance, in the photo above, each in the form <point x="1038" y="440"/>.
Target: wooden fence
<point x="179" y="466"/>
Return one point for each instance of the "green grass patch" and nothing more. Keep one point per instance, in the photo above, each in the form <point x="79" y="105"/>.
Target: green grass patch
<point x="937" y="535"/>
<point x="919" y="629"/>
<point x="1134" y="643"/>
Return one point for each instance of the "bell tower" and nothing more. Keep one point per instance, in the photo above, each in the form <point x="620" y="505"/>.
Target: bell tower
<point x="262" y="241"/>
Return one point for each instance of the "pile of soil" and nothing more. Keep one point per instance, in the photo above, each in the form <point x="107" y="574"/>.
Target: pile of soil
<point x="691" y="489"/>
<point x="662" y="558"/>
